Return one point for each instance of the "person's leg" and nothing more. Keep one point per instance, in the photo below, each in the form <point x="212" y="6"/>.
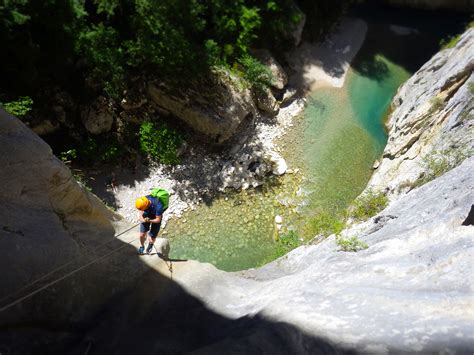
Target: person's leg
<point x="144" y="227"/>
<point x="152" y="234"/>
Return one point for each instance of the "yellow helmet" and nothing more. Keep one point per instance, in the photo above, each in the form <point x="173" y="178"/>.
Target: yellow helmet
<point x="142" y="203"/>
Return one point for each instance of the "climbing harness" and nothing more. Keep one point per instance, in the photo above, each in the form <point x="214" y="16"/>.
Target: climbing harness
<point x="65" y="276"/>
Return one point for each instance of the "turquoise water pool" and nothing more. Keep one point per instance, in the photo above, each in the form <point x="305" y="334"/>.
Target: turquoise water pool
<point x="334" y="145"/>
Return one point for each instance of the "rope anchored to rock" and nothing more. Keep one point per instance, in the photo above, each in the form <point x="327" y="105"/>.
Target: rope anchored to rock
<point x="49" y="284"/>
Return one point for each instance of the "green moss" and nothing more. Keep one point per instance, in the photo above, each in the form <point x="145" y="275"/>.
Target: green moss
<point x="471" y="87"/>
<point x="436" y="104"/>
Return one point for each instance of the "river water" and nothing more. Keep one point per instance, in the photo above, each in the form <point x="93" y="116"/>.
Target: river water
<point x="333" y="146"/>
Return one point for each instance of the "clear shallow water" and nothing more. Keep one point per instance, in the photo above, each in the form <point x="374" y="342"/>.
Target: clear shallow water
<point x="334" y="145"/>
<point x="343" y="134"/>
<point x="235" y="232"/>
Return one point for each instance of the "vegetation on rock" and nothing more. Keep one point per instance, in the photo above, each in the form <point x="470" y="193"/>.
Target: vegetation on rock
<point x="368" y="205"/>
<point x="436" y="163"/>
<point x="450" y="42"/>
<point x="20" y="107"/>
<point x="85" y="49"/>
<point x="284" y="244"/>
<point x="160" y="142"/>
<point x="352" y="244"/>
<point x="325" y="224"/>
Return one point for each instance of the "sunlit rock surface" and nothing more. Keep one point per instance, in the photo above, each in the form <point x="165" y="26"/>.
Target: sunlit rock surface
<point x="432" y="118"/>
<point x="215" y="109"/>
<point x="411" y="290"/>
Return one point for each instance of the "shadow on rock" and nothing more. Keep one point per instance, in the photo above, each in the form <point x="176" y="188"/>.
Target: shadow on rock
<point x="122" y="306"/>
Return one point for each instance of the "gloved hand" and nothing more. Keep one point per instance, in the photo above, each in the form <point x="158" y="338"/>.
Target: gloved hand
<point x="147" y="219"/>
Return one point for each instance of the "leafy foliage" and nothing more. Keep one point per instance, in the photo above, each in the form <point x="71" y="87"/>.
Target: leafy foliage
<point x="20" y="107"/>
<point x="436" y="163"/>
<point x="352" y="244"/>
<point x="99" y="43"/>
<point x="160" y="142"/>
<point x="325" y="224"/>
<point x="284" y="244"/>
<point x="257" y="74"/>
<point x="450" y="42"/>
<point x="90" y="151"/>
<point x="368" y="205"/>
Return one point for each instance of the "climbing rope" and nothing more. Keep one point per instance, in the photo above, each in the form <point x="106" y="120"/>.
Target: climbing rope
<point x="65" y="276"/>
<point x="165" y="259"/>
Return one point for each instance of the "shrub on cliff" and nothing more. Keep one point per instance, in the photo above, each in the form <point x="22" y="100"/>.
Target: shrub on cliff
<point x="368" y="205"/>
<point x="160" y="142"/>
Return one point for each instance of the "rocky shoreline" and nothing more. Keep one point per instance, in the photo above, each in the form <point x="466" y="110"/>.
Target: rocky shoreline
<point x="253" y="153"/>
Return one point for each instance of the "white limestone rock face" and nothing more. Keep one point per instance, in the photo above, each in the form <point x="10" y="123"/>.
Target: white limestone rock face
<point x="432" y="118"/>
<point x="327" y="63"/>
<point x="411" y="290"/>
<point x="47" y="220"/>
<point x="214" y="109"/>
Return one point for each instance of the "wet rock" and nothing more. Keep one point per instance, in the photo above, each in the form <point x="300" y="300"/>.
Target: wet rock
<point x="279" y="166"/>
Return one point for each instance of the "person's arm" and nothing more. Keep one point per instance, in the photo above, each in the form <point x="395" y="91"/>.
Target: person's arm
<point x="157" y="219"/>
<point x="140" y="217"/>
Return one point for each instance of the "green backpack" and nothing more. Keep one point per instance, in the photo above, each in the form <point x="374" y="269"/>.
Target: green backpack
<point x="162" y="195"/>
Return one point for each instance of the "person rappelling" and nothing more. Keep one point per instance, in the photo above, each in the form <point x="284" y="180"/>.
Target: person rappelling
<point x="151" y="208"/>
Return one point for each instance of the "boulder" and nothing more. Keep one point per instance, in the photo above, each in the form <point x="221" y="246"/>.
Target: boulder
<point x="266" y="102"/>
<point x="214" y="109"/>
<point x="98" y="117"/>
<point x="45" y="127"/>
<point x="280" y="78"/>
<point x="279" y="166"/>
<point x="162" y="246"/>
